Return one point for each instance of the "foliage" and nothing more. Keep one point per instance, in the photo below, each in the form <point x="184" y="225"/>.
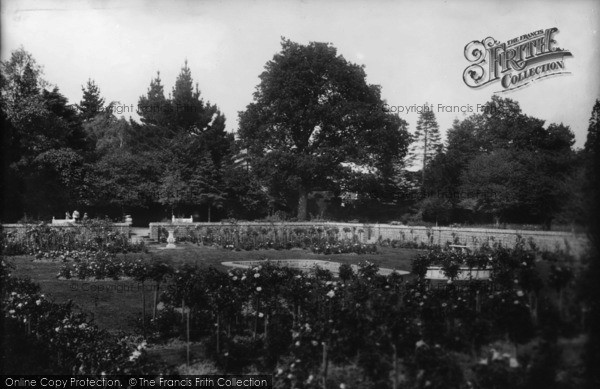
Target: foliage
<point x="314" y="117"/>
<point x="40" y="336"/>
<point x="505" y="165"/>
<point x="92" y="103"/>
<point x="249" y="314"/>
<point x="318" y="239"/>
<point x="43" y="137"/>
<point x="426" y="140"/>
<point x="93" y="265"/>
<point x="52" y="241"/>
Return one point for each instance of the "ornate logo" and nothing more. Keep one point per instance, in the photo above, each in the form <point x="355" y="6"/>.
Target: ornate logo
<point x="515" y="63"/>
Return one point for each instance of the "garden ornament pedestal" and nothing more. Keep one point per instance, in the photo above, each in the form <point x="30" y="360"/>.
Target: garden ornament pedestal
<point x="171" y="238"/>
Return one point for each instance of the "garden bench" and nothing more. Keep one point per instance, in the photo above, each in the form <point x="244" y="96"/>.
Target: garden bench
<point x="462" y="248"/>
<point x="62" y="222"/>
<point x="182" y="220"/>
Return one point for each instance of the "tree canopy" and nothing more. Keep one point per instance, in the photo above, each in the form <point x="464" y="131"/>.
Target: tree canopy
<point x="314" y="118"/>
<point x="505" y="164"/>
<point x="315" y="129"/>
<point x="426" y="140"/>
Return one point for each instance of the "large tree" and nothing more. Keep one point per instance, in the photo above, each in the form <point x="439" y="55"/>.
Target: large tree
<point x="122" y="180"/>
<point x="520" y="163"/>
<point x="505" y="164"/>
<point x="315" y="119"/>
<point x="187" y="136"/>
<point x="590" y="289"/>
<point x="42" y="138"/>
<point x="426" y="140"/>
<point x="184" y="114"/>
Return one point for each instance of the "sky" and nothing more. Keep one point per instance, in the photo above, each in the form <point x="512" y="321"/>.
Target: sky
<point x="413" y="50"/>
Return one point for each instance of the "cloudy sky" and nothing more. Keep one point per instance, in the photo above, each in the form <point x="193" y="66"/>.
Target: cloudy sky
<point x="414" y="50"/>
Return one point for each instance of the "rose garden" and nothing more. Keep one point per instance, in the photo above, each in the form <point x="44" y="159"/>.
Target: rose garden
<point x="321" y="242"/>
<point x="96" y="303"/>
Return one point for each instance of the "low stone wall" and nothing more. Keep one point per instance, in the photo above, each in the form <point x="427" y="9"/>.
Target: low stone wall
<point x="371" y="233"/>
<point x="21" y="228"/>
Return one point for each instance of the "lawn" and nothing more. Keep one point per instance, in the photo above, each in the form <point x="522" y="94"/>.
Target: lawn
<point x="117" y="305"/>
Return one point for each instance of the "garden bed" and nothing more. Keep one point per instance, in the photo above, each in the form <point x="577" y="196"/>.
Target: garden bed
<point x="307" y="265"/>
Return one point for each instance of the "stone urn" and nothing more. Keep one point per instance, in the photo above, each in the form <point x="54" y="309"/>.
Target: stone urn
<point x="171" y="238"/>
<point x="128" y="219"/>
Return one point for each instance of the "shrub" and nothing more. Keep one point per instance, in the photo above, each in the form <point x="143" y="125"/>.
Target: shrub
<point x="95" y="235"/>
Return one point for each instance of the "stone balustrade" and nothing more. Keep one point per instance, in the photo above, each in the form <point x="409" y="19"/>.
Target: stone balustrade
<point x="575" y="243"/>
<point x="20" y="229"/>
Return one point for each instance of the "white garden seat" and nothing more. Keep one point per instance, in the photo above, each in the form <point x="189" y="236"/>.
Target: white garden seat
<point x="182" y="220"/>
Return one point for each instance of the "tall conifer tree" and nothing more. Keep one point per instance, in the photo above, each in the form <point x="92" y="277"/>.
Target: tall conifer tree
<point x="426" y="140"/>
<point x="92" y="103"/>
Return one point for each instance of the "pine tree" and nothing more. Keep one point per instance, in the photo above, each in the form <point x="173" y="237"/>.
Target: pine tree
<point x="426" y="140"/>
<point x="189" y="110"/>
<point x="198" y="119"/>
<point x="154" y="108"/>
<point x="92" y="103"/>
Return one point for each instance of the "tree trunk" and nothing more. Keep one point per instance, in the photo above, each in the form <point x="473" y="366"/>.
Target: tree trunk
<point x="155" y="300"/>
<point x="182" y="310"/>
<point x="143" y="309"/>
<point x="302" y="203"/>
<point x="560" y="304"/>
<point x="256" y="319"/>
<point x="325" y="360"/>
<point x="424" y="160"/>
<point x="294" y="314"/>
<point x="218" y="334"/>
<point x="395" y="360"/>
<point x="266" y="326"/>
<point x="533" y="308"/>
<point x="209" y="213"/>
<point x="187" y="338"/>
